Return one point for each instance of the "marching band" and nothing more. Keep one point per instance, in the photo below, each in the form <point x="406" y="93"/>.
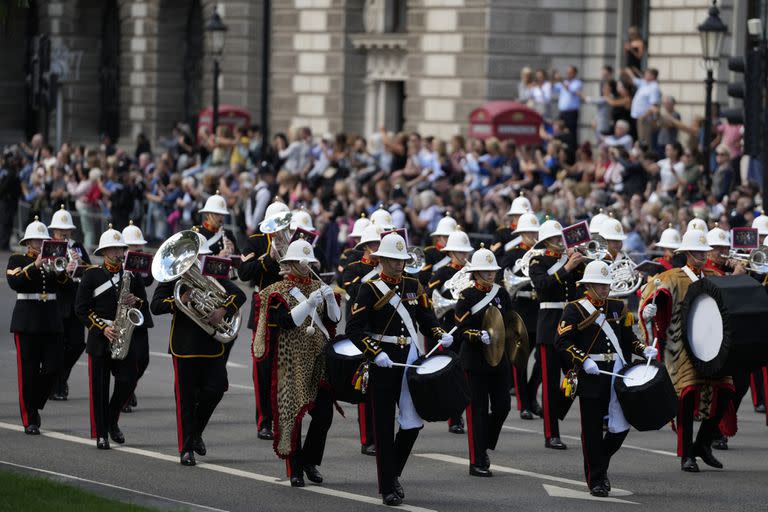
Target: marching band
<point x="404" y="328"/>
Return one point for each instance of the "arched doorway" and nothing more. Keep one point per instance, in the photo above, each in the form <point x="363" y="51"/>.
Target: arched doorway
<point x="19" y="120"/>
<point x="180" y="59"/>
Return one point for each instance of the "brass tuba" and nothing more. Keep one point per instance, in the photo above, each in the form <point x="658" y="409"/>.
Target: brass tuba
<point x="177" y="259"/>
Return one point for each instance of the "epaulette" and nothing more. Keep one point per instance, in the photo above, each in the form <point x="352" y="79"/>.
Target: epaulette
<point x="255" y="235"/>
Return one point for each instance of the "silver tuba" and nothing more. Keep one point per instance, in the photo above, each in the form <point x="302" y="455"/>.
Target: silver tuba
<point x="522" y="265"/>
<point x="279" y="229"/>
<point x="126" y="320"/>
<point x="177" y="259"/>
<point x="625" y="279"/>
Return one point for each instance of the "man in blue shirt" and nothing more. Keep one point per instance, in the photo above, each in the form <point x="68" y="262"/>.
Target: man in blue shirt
<point x="569" y="102"/>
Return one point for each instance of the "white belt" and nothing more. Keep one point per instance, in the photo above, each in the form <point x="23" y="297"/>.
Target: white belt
<point x="552" y="305"/>
<point x="603" y="357"/>
<point x="396" y="340"/>
<point x="36" y="296"/>
<point x="524" y="295"/>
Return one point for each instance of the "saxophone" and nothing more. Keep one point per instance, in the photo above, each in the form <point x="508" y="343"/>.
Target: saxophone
<point x="126" y="319"/>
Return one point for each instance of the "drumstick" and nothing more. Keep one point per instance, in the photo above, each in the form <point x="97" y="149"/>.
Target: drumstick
<point x="405" y="365"/>
<point x="614" y="374"/>
<point x="655" y="342"/>
<point x="438" y="345"/>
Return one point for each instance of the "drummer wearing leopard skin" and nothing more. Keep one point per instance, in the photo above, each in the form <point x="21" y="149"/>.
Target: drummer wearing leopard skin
<point x="595" y="333"/>
<point x="487" y="383"/>
<point x="714" y="393"/>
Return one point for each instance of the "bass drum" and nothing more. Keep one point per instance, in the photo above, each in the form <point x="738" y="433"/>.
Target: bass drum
<point x="342" y="360"/>
<point x="439" y="387"/>
<point x="646" y="395"/>
<point x="724" y="324"/>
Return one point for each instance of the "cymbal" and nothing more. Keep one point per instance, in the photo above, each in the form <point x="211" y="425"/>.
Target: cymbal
<point x="493" y="323"/>
<point x="516" y="347"/>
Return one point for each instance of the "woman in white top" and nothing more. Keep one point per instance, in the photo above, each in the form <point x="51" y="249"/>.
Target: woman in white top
<point x="525" y="86"/>
<point x="670" y="170"/>
<point x="541" y="94"/>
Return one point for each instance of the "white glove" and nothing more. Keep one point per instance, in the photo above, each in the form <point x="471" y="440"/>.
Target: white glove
<point x="446" y="340"/>
<point x="382" y="360"/>
<point x="590" y="367"/>
<point x="315" y="299"/>
<point x="485" y="338"/>
<point x="327" y="292"/>
<point x="650" y="352"/>
<point x="650" y="311"/>
<point x="301" y="311"/>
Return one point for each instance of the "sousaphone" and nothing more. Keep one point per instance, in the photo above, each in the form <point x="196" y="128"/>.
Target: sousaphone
<point x="493" y="323"/>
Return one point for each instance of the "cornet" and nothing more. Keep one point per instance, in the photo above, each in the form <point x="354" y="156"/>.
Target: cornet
<point x="595" y="249"/>
<point x="756" y="261"/>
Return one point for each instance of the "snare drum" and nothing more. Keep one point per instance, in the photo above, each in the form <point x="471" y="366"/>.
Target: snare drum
<point x="439" y="387"/>
<point x="342" y="360"/>
<point x="646" y="395"/>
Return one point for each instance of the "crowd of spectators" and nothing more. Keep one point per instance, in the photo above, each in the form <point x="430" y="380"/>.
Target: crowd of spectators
<point x="641" y="162"/>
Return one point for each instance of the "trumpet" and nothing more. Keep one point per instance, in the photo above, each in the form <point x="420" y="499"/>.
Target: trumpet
<point x="756" y="261"/>
<point x="595" y="249"/>
<point x="55" y="266"/>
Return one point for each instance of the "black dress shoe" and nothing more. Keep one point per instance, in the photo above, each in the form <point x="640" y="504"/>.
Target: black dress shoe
<point x="456" y="428"/>
<point x="721" y="443"/>
<point x="116" y="435"/>
<point x="313" y="474"/>
<point x="102" y="443"/>
<point x="265" y="433"/>
<point x="199" y="446"/>
<point x="705" y="452"/>
<point x="398" y="488"/>
<point x="760" y="409"/>
<point x="538" y="411"/>
<point x="132" y="401"/>
<point x="607" y="484"/>
<point x="688" y="464"/>
<point x="297" y="481"/>
<point x="188" y="459"/>
<point x="525" y="414"/>
<point x="392" y="499"/>
<point x="599" y="491"/>
<point x="475" y="470"/>
<point x="127" y="409"/>
<point x="32" y="430"/>
<point x="368" y="450"/>
<point x="555" y="443"/>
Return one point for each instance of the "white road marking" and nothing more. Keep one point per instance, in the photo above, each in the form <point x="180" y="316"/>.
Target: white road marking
<point x="111" y="486"/>
<point x="514" y="471"/>
<point x="223" y="469"/>
<point x="240" y="386"/>
<point x="578" y="439"/>
<point x="561" y="492"/>
<point x="229" y="363"/>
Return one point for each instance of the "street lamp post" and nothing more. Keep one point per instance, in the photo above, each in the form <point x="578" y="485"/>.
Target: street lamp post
<point x="218" y="31"/>
<point x="711" y="31"/>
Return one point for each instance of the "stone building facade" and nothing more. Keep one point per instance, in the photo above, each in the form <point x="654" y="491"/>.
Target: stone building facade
<point x="353" y="65"/>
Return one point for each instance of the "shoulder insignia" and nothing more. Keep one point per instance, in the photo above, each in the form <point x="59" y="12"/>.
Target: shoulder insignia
<point x="248" y="256"/>
<point x="461" y="318"/>
<point x="16" y="271"/>
<point x="563" y="328"/>
<point x="356" y="308"/>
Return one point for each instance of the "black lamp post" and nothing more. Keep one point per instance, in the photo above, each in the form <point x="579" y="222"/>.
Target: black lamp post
<point x="711" y="31"/>
<point x="218" y="31"/>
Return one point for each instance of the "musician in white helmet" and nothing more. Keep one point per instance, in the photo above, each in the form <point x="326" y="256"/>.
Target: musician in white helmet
<point x="297" y="317"/>
<point x="134" y="239"/>
<point x="760" y="223"/>
<point x="62" y="228"/>
<point x="434" y="258"/>
<point x="612" y="232"/>
<point x="261" y="267"/>
<point x="459" y="249"/>
<point x="96" y="305"/>
<point x="525" y="302"/>
<point x="38" y="343"/>
<point x="669" y="241"/>
<point x="355" y="275"/>
<point x="488" y="384"/>
<point x="596" y="222"/>
<point x="220" y="241"/>
<point x="718" y="258"/>
<point x="503" y="236"/>
<point x="351" y="253"/>
<point x="553" y="274"/>
<point x="382" y="326"/>
<point x="665" y="315"/>
<point x="594" y="334"/>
